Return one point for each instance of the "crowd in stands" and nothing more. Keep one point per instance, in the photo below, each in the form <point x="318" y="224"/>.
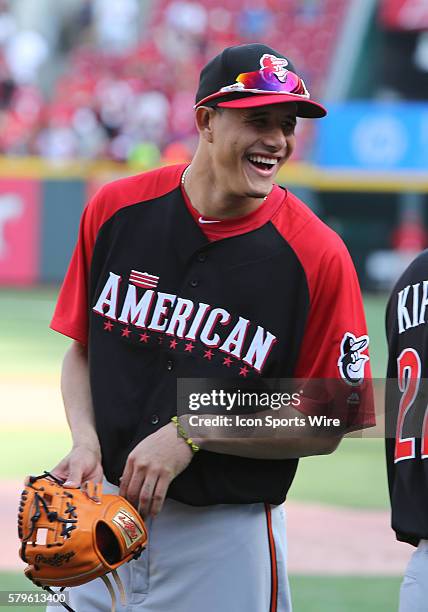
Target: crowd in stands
<point x="124" y="78"/>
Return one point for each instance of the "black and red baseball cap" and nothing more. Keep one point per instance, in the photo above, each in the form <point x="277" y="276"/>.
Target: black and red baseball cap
<point x="246" y="76"/>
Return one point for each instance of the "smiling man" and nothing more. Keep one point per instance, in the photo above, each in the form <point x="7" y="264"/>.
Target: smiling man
<point x="207" y="271"/>
<point x="240" y="151"/>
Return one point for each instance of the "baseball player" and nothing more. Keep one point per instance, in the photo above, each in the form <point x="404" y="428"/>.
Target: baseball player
<point x="209" y="270"/>
<point x="407" y="425"/>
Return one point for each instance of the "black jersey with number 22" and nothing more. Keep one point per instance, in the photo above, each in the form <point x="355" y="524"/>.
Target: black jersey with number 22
<point x="407" y="402"/>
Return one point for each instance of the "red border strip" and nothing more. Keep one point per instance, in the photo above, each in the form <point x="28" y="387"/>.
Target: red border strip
<point x="274" y="568"/>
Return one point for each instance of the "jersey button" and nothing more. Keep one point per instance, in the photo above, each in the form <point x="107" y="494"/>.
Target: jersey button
<point x="155" y="419"/>
<point x="202" y="257"/>
<point x="194" y="283"/>
<point x="169" y="365"/>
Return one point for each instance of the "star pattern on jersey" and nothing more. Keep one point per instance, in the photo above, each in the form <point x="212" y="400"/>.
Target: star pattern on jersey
<point x="173" y="344"/>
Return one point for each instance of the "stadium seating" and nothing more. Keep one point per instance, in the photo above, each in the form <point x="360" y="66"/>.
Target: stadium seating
<point x="105" y="104"/>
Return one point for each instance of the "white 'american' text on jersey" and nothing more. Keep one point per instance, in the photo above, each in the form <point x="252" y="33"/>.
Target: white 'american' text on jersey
<point x="152" y="311"/>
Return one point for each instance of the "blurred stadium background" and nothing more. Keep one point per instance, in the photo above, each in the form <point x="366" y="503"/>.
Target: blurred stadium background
<point x="91" y="90"/>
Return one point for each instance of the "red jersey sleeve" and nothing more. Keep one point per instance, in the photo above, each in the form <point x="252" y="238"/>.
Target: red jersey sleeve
<point x="336" y="309"/>
<point x="334" y="349"/>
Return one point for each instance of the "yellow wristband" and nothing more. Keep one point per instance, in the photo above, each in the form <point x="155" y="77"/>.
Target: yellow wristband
<point x="182" y="433"/>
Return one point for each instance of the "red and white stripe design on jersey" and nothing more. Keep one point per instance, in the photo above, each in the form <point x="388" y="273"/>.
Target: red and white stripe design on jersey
<point x="143" y="279"/>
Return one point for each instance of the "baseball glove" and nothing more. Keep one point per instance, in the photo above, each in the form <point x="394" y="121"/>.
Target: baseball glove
<point x="71" y="536"/>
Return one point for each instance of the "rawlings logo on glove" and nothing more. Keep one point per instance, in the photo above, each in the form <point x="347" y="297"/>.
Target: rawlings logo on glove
<point x="71" y="536"/>
<point x="55" y="560"/>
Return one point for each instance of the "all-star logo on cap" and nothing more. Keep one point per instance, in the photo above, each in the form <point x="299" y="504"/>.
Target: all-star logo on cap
<point x="252" y="75"/>
<point x="275" y="64"/>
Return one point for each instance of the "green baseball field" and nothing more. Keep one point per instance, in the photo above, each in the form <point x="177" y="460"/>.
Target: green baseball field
<point x="342" y="553"/>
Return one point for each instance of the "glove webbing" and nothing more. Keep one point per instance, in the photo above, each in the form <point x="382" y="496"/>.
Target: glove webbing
<point x="52" y="516"/>
<point x="66" y="528"/>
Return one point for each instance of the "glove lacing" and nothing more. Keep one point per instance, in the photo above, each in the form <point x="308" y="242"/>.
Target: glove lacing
<point x="66" y="529"/>
<point x="110" y="589"/>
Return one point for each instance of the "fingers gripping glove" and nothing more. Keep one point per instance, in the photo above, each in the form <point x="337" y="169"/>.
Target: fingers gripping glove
<point x="71" y="536"/>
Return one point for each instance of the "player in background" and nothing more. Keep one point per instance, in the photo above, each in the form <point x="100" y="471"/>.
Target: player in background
<point x="407" y="425"/>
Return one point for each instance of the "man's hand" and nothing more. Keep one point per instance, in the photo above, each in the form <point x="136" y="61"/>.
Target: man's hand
<point x="81" y="464"/>
<point x="150" y="468"/>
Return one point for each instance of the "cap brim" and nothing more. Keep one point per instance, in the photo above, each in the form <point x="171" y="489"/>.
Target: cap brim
<point x="305" y="108"/>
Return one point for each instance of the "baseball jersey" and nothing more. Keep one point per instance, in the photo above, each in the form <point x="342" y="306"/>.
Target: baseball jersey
<point x="406" y="403"/>
<point x="158" y="294"/>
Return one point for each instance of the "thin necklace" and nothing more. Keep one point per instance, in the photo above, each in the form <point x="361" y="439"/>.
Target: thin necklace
<point x="183" y="178"/>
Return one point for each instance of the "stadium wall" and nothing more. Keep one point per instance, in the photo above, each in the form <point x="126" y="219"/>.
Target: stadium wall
<point x="40" y="208"/>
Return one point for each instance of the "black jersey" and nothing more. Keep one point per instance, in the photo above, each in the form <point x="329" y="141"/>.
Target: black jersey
<point x="406" y="402"/>
<point x="272" y="294"/>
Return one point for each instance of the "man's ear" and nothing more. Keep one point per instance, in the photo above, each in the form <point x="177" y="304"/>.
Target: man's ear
<point x="204" y="118"/>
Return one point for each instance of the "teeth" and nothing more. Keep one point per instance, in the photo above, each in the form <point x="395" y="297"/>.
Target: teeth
<point x="263" y="160"/>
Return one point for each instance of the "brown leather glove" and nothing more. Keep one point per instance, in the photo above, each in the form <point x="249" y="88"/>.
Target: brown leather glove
<point x="71" y="536"/>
